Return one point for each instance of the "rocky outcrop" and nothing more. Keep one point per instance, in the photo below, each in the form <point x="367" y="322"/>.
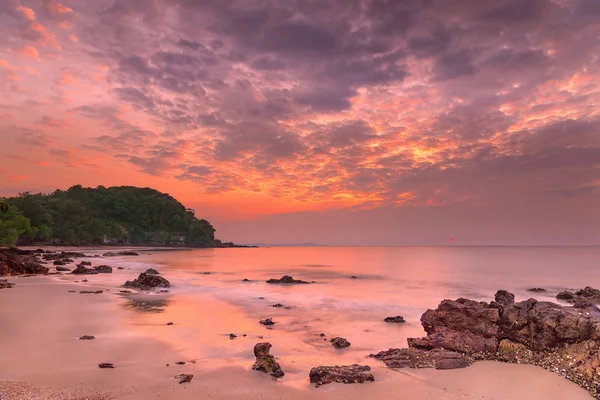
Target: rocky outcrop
<point x="120" y="253"/>
<point x="265" y="362"/>
<point x="152" y="271"/>
<point x="341" y="373"/>
<point x="340" y="342"/>
<point x="147" y="281"/>
<point x="286" y="279"/>
<point x="62" y="255"/>
<point x="587" y="295"/>
<point x="562" y="339"/>
<point x="81" y="270"/>
<point x="103" y="269"/>
<point x="20" y="262"/>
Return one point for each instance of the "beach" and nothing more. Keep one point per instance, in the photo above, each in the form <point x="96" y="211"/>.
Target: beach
<point x="44" y="316"/>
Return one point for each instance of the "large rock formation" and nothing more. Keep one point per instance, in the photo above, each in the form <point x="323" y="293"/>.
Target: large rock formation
<point x="565" y="340"/>
<point x="20" y="262"/>
<point x="265" y="362"/>
<point x="341" y="373"/>
<point x="587" y="295"/>
<point x="147" y="282"/>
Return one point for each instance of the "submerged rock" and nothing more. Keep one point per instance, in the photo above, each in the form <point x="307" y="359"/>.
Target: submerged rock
<point x="81" y="270"/>
<point x="147" y="282"/>
<point x="90" y="292"/>
<point x="562" y="339"/>
<point x="232" y="336"/>
<point x="185" y="378"/>
<point x="88" y="263"/>
<point x="265" y="362"/>
<point x="267" y="321"/>
<point x="87" y="337"/>
<point x="106" y="365"/>
<point x="103" y="269"/>
<point x="536" y="290"/>
<point x="286" y="279"/>
<point x="120" y="253"/>
<point x="340" y="342"/>
<point x="341" y="373"/>
<point x="5" y="284"/>
<point x="60" y="262"/>
<point x="63" y="269"/>
<point x="396" y="320"/>
<point x="278" y="305"/>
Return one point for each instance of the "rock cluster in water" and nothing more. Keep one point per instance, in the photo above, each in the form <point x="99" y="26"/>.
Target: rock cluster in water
<point x="286" y="279"/>
<point x="20" y="262"/>
<point x="395" y="320"/>
<point x="565" y="340"/>
<point x="265" y="362"/>
<point x="147" y="281"/>
<point x="341" y="373"/>
<point x="582" y="297"/>
<point x="120" y="253"/>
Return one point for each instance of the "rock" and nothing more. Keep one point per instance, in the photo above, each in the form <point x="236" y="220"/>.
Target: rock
<point x="64" y="255"/>
<point x="106" y="365"/>
<point x="63" y="269"/>
<point x="124" y="291"/>
<point x="416" y="358"/>
<point x="566" y="295"/>
<point x="245" y="280"/>
<point x="396" y="320"/>
<point x="87" y="337"/>
<point x="147" y="281"/>
<point x="84" y="281"/>
<point x="267" y="321"/>
<point x="343" y="374"/>
<point x="277" y="305"/>
<point x="265" y="362"/>
<point x="321" y="334"/>
<point x="72" y="291"/>
<point x="185" y="378"/>
<point x="353" y="277"/>
<point x="60" y="262"/>
<point x="90" y="292"/>
<point x="536" y="290"/>
<point x="339" y="342"/>
<point x="206" y="273"/>
<point x="81" y="270"/>
<point x="232" y="336"/>
<point x="169" y="323"/>
<point x="180" y="363"/>
<point x="120" y="253"/>
<point x="5" y="284"/>
<point x="152" y="271"/>
<point x="286" y="279"/>
<point x="120" y="268"/>
<point x="88" y="263"/>
<point x="103" y="269"/>
<point x="559" y="338"/>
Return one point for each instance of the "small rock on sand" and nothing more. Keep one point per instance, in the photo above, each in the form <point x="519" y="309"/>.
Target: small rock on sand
<point x="185" y="378"/>
<point x="87" y="337"/>
<point x="267" y="322"/>
<point x="398" y="319"/>
<point x="339" y="342"/>
<point x="106" y="365"/>
<point x="232" y="336"/>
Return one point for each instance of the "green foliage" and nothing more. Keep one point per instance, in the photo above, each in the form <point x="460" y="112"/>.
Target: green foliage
<point x="116" y="215"/>
<point x="12" y="224"/>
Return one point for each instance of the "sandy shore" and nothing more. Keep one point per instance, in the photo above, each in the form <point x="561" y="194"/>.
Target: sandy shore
<point x="41" y="357"/>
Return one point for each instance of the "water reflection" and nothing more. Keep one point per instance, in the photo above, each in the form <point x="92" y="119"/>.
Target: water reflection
<point x="146" y="303"/>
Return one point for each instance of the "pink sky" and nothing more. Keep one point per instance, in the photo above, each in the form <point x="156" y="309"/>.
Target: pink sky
<point x="340" y="122"/>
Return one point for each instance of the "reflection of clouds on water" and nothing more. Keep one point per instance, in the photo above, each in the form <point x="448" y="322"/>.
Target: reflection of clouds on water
<point x="146" y="304"/>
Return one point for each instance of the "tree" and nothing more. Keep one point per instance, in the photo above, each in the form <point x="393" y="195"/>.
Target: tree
<point x="12" y="225"/>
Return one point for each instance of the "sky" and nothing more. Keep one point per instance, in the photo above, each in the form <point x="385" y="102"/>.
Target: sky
<point x="343" y="122"/>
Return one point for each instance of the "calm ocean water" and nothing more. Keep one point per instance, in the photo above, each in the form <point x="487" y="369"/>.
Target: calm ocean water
<point x="209" y="300"/>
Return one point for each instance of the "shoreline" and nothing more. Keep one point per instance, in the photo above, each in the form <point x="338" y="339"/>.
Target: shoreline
<point x="39" y="346"/>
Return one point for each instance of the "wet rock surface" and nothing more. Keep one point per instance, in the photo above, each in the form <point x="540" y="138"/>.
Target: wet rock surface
<point x="395" y="320"/>
<point x="287" y="279"/>
<point x="103" y="269"/>
<point x="341" y="373"/>
<point x="63" y="269"/>
<point x="152" y="271"/>
<point x="147" y="281"/>
<point x="20" y="262"/>
<point x="340" y="343"/>
<point x="562" y="339"/>
<point x="265" y="362"/>
<point x="267" y="322"/>
<point x="82" y="270"/>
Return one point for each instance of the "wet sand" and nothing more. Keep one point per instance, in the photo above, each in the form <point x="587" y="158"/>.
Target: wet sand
<point x="41" y="356"/>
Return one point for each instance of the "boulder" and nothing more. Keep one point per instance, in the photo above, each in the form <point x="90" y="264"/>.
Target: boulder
<point x="152" y="271"/>
<point x="341" y="373"/>
<point x="88" y="263"/>
<point x="87" y="337"/>
<point x="585" y="295"/>
<point x="340" y="342"/>
<point x="185" y="378"/>
<point x="60" y="262"/>
<point x="63" y="269"/>
<point x="536" y="290"/>
<point x="147" y="282"/>
<point x="417" y="358"/>
<point x="106" y="365"/>
<point x="267" y="321"/>
<point x="396" y="320"/>
<point x="286" y="279"/>
<point x="5" y="284"/>
<point x="265" y="362"/>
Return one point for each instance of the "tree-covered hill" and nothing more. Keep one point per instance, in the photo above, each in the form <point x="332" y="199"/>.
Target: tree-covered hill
<point x="112" y="216"/>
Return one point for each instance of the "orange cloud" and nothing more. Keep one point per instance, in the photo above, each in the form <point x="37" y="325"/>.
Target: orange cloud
<point x="29" y="52"/>
<point x="66" y="78"/>
<point x="26" y="12"/>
